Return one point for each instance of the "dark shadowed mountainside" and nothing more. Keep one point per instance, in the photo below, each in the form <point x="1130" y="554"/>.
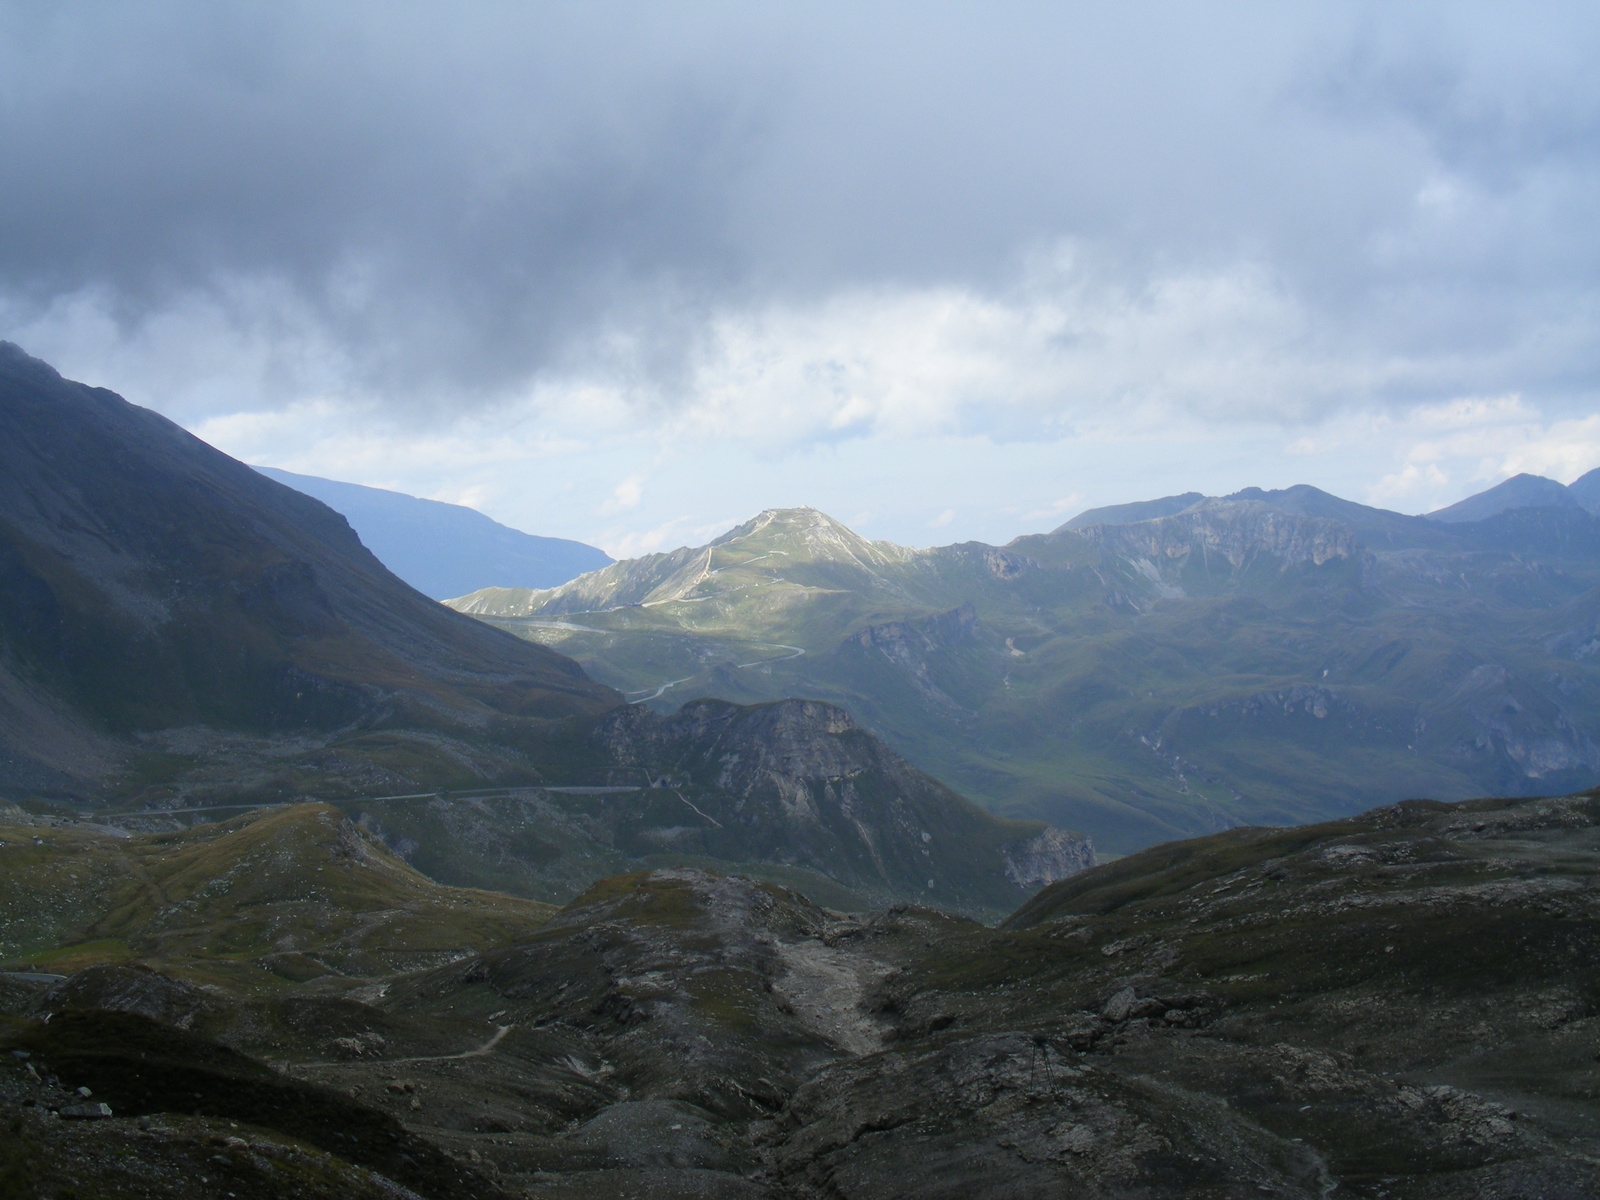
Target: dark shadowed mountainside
<point x="149" y="582"/>
<point x="446" y="550"/>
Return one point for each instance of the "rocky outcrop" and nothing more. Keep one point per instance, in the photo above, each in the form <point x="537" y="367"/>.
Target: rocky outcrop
<point x="132" y="989"/>
<point x="799" y="783"/>
<point x="990" y="561"/>
<point x="901" y="640"/>
<point x="910" y="645"/>
<point x="1053" y="854"/>
<point x="1234" y="532"/>
<point x="1526" y="726"/>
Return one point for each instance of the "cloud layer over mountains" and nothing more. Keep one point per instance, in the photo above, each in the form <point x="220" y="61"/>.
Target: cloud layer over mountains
<point x="424" y="247"/>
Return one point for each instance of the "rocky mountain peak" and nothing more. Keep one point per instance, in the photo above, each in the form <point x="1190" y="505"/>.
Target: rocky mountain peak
<point x="810" y="535"/>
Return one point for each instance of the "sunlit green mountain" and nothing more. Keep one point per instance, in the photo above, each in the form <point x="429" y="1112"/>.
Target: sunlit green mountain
<point x="1141" y="673"/>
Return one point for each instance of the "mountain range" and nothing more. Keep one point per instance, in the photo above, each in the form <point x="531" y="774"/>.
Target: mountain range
<point x="441" y="549"/>
<point x="179" y="632"/>
<point x="1147" y="671"/>
<point x="319" y="995"/>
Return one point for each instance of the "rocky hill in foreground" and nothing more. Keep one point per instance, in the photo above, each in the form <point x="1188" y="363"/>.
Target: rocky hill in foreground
<point x="1402" y="1005"/>
<point x="1151" y="671"/>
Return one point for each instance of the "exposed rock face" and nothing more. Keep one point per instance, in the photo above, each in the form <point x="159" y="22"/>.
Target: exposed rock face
<point x="901" y="640"/>
<point x="1235" y="531"/>
<point x="797" y="782"/>
<point x="1530" y="728"/>
<point x="1054" y="854"/>
<point x="782" y="744"/>
<point x="910" y="645"/>
<point x="135" y="989"/>
<point x="990" y="560"/>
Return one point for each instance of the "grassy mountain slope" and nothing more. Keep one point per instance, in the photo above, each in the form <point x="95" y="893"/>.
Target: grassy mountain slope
<point x="149" y="582"/>
<point x="1269" y="657"/>
<point x="290" y="894"/>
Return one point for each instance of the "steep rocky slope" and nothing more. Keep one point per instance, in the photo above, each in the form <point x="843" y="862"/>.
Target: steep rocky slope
<point x="1398" y="1005"/>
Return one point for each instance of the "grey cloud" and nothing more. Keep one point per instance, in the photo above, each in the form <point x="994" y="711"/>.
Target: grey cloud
<point x="465" y="196"/>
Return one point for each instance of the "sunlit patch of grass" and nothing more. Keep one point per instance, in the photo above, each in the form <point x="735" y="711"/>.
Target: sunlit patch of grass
<point x="293" y="880"/>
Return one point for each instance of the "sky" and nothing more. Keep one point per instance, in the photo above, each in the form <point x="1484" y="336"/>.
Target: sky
<point x="630" y="273"/>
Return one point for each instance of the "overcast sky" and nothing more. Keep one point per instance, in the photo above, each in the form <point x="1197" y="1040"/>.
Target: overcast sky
<point x="630" y="273"/>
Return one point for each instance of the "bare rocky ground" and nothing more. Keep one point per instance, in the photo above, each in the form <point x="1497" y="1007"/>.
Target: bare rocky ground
<point x="1402" y="1005"/>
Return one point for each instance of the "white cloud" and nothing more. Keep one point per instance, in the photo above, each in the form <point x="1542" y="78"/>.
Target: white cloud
<point x="1445" y="452"/>
<point x="1065" y="351"/>
<point x="624" y="496"/>
<point x="669" y="535"/>
<point x="1057" y="509"/>
<point x="942" y="519"/>
<point x="1405" y="485"/>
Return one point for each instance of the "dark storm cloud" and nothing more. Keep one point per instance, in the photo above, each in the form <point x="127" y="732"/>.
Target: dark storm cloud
<point x="462" y="196"/>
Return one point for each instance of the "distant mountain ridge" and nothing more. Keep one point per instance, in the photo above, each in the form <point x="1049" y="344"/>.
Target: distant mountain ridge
<point x="1523" y="491"/>
<point x="1139" y="510"/>
<point x="446" y="550"/>
<point x="1268" y="657"/>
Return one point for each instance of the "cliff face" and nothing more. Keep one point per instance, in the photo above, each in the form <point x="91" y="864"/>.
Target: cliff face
<point x="914" y="649"/>
<point x="1236" y="531"/>
<point x="798" y="783"/>
<point x="1052" y="856"/>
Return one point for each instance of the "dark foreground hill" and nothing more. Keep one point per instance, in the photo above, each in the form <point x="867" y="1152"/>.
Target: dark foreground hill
<point x="446" y="550"/>
<point x="1401" y="1005"/>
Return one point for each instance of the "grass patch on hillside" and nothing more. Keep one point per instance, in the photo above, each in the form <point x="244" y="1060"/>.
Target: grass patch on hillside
<point x="293" y="881"/>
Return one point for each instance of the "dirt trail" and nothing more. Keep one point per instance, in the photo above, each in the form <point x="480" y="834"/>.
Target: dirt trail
<point x="825" y="985"/>
<point x="480" y="1052"/>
